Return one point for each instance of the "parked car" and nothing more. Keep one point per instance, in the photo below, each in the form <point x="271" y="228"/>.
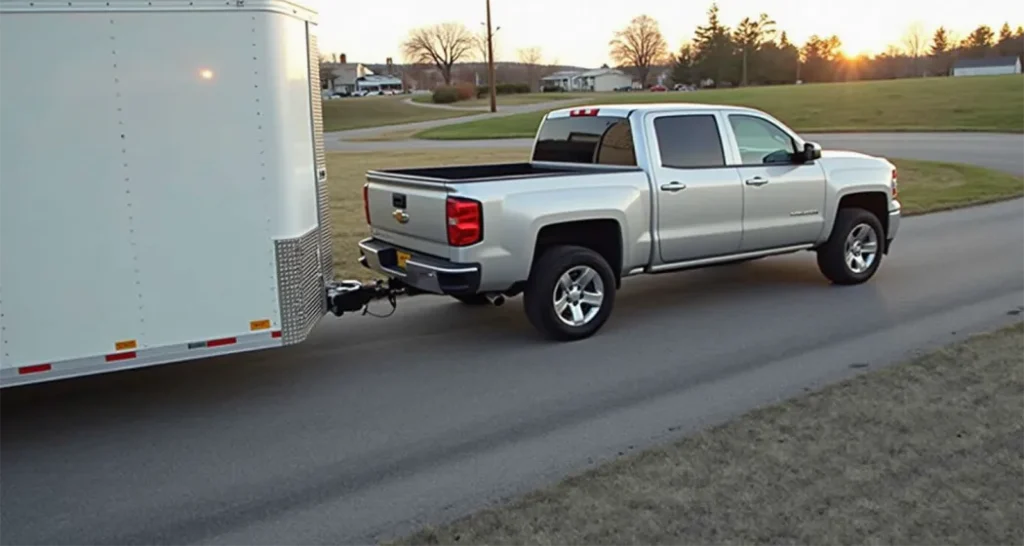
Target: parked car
<point x="658" y="88"/>
<point x="616" y="191"/>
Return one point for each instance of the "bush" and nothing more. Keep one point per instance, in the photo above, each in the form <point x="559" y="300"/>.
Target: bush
<point x="503" y="89"/>
<point x="466" y="91"/>
<point x="512" y="88"/>
<point x="551" y="89"/>
<point x="445" y="95"/>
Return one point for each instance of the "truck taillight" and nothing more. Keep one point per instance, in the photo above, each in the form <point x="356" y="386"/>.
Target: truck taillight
<point x="895" y="184"/>
<point x="584" y="112"/>
<point x="465" y="221"/>
<point x="366" y="202"/>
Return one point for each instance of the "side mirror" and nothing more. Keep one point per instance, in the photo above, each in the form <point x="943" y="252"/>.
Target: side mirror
<point x="812" y="151"/>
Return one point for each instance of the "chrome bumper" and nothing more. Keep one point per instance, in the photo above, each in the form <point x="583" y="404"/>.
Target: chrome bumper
<point x="425" y="273"/>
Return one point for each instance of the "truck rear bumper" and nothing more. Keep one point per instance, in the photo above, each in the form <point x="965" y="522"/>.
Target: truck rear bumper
<point x="422" y="272"/>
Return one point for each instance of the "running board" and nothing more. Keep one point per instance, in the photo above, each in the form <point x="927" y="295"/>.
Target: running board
<point x="725" y="259"/>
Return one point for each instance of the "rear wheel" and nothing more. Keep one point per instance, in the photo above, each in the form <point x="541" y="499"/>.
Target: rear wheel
<point x="853" y="251"/>
<point x="570" y="293"/>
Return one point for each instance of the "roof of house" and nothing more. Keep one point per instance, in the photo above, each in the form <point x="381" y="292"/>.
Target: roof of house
<point x="348" y="72"/>
<point x="602" y="72"/>
<point x="562" y="74"/>
<point x="986" y="62"/>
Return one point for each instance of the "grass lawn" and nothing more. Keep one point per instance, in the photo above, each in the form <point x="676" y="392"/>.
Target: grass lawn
<point x="983" y="103"/>
<point x="360" y="112"/>
<point x="509" y="100"/>
<point x="926" y="452"/>
<point x="924" y="187"/>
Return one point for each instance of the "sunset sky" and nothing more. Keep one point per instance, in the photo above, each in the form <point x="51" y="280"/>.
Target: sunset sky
<point x="369" y="31"/>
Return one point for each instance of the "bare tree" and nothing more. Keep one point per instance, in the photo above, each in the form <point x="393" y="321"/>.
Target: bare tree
<point x="531" y="57"/>
<point x="442" y="45"/>
<point x="640" y="45"/>
<point x="915" y="41"/>
<point x="480" y="45"/>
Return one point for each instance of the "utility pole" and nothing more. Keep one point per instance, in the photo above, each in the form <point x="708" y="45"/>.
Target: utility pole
<point x="490" y="60"/>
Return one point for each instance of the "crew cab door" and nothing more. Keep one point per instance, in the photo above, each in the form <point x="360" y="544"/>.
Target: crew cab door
<point x="699" y="197"/>
<point x="783" y="198"/>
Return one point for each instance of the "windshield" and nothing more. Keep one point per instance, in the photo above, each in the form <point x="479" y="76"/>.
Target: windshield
<point x="602" y="140"/>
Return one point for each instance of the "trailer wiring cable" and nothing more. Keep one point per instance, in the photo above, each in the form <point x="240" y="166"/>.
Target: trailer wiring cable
<point x="392" y="299"/>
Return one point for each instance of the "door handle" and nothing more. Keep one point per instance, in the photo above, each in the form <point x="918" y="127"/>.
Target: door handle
<point x="757" y="181"/>
<point x="673" y="187"/>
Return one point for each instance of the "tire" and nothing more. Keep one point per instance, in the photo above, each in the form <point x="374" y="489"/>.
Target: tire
<point x="540" y="293"/>
<point x="473" y="299"/>
<point x="860" y="265"/>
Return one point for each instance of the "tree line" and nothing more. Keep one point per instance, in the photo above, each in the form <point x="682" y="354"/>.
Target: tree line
<point x="755" y="52"/>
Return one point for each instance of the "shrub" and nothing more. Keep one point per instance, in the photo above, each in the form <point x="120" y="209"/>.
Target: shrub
<point x="445" y="95"/>
<point x="466" y="91"/>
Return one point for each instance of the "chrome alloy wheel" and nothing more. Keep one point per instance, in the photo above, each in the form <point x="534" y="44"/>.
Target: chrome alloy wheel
<point x="861" y="248"/>
<point x="578" y="295"/>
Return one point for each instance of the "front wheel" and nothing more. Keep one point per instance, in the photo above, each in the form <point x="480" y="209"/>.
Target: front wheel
<point x="853" y="251"/>
<point x="570" y="293"/>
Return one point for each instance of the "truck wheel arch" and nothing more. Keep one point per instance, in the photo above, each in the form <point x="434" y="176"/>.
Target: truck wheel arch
<point x="602" y="235"/>
<point x="873" y="201"/>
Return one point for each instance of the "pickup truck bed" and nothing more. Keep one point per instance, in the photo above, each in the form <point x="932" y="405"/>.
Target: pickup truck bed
<point x="466" y="174"/>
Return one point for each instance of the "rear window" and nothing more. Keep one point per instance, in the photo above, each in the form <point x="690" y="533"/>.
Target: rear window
<point x="599" y="140"/>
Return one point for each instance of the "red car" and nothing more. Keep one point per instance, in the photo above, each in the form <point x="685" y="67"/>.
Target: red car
<point x="658" y="88"/>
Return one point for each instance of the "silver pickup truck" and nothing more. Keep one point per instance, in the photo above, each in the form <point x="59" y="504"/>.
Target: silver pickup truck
<point x="614" y="191"/>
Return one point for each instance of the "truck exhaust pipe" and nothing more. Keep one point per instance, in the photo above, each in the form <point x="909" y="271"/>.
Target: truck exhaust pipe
<point x="496" y="300"/>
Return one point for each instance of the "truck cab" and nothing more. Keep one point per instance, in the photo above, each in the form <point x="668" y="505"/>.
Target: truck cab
<point x="620" y="190"/>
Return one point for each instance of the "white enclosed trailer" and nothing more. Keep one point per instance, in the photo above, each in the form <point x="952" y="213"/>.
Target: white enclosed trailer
<point x="163" y="185"/>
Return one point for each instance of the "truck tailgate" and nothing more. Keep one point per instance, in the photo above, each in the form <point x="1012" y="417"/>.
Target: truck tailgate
<point x="409" y="214"/>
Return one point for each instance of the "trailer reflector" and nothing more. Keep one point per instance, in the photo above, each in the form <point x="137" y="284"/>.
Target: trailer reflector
<point x="34" y="369"/>
<point x="126" y="345"/>
<point x="275" y="335"/>
<point x="263" y="324"/>
<point x="117" y="357"/>
<point x="221" y="342"/>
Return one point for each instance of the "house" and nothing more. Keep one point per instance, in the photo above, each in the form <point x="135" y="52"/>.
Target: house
<point x="379" y="83"/>
<point x="567" y="80"/>
<point x="600" y="79"/>
<point x="604" y="79"/>
<point x="987" y="67"/>
<point x="345" y="75"/>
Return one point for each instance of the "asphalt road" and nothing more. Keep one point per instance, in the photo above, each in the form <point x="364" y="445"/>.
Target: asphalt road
<point x="374" y="426"/>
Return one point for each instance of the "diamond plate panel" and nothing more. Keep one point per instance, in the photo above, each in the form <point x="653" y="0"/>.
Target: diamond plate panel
<point x="300" y="284"/>
<point x="319" y="155"/>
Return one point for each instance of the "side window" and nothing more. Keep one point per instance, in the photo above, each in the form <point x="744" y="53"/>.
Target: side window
<point x="761" y="141"/>
<point x="689" y="141"/>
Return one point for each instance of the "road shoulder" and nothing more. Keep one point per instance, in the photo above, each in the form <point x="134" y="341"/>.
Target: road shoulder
<point x="927" y="451"/>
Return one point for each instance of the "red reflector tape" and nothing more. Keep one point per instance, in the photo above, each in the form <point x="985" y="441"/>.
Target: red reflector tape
<point x="34" y="369"/>
<point x="121" y="356"/>
<point x="275" y="334"/>
<point x="221" y="342"/>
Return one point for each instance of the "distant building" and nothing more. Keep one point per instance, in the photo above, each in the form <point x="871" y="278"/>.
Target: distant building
<point x="987" y="67"/>
<point x="378" y="83"/>
<point x="600" y="79"/>
<point x="345" y="75"/>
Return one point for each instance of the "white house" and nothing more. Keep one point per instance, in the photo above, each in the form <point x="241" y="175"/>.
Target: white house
<point x="987" y="67"/>
<point x="600" y="79"/>
<point x="566" y="79"/>
<point x="604" y="79"/>
<point x="379" y="83"/>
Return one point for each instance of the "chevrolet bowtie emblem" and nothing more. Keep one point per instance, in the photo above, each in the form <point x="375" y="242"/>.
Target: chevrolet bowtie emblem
<point x="400" y="216"/>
